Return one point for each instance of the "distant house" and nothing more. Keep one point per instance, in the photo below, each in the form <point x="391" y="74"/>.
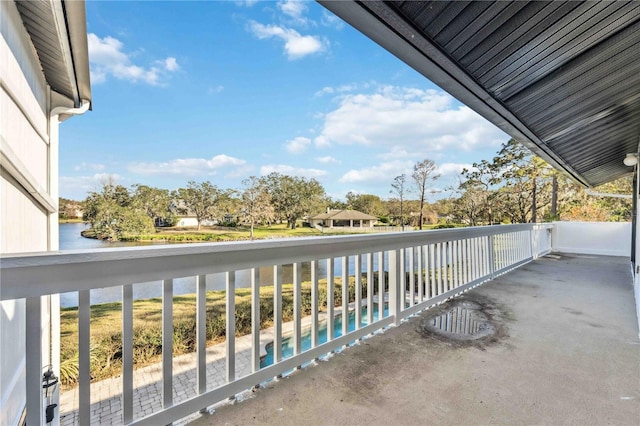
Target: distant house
<point x="343" y="218"/>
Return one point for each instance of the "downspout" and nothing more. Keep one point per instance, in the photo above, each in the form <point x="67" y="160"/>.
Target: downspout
<point x="54" y="300"/>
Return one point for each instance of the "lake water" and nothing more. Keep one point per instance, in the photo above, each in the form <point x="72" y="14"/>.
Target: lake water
<point x="70" y="239"/>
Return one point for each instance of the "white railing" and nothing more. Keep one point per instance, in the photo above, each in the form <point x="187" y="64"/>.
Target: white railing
<point x="415" y="270"/>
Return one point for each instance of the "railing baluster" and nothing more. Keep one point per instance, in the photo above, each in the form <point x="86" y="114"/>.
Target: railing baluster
<point x="167" y="343"/>
<point x="255" y="319"/>
<point x="231" y="325"/>
<point x="432" y="265"/>
<point x="277" y="313"/>
<point x="369" y="288"/>
<point x="33" y="349"/>
<point x="396" y="287"/>
<point x="330" y="298"/>
<point x="345" y="295"/>
<point x="420" y="275"/>
<point x="127" y="353"/>
<point x="381" y="285"/>
<point x="476" y="258"/>
<point x="358" y="286"/>
<point x="314" y="303"/>
<point x="449" y="265"/>
<point x="456" y="263"/>
<point x="492" y="256"/>
<point x="412" y="283"/>
<point x="439" y="263"/>
<point x="297" y="308"/>
<point x="84" y="356"/>
<point x="201" y="333"/>
<point x="403" y="280"/>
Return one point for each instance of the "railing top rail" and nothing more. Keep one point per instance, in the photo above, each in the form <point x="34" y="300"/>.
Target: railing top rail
<point x="37" y="274"/>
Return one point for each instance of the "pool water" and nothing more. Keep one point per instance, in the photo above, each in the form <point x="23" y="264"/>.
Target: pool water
<point x="288" y="345"/>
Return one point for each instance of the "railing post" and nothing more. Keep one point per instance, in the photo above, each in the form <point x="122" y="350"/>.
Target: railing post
<point x="395" y="283"/>
<point x="33" y="349"/>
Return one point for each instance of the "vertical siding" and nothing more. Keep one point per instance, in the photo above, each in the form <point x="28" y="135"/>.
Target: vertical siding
<point x="24" y="224"/>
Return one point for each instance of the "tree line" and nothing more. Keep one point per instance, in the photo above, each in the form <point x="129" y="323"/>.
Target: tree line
<point x="515" y="187"/>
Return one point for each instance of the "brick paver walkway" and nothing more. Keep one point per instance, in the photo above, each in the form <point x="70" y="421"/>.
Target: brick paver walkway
<point x="106" y="399"/>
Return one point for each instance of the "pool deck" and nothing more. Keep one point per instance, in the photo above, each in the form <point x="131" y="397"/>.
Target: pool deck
<point x="566" y="352"/>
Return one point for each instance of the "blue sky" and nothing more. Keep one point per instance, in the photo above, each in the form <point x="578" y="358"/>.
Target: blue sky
<point x="224" y="90"/>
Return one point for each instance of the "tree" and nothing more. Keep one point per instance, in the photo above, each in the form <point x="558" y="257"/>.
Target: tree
<point x="423" y="174"/>
<point x="112" y="215"/>
<point x="366" y="203"/>
<point x="256" y="202"/>
<point x="199" y="199"/>
<point x="154" y="202"/>
<point x="399" y="189"/>
<point x="293" y="197"/>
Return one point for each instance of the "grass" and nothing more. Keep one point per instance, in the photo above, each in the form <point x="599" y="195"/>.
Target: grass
<point x="220" y="233"/>
<point x="106" y="325"/>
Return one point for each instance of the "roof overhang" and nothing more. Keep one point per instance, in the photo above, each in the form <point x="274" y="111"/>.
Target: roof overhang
<point x="58" y="31"/>
<point x="563" y="78"/>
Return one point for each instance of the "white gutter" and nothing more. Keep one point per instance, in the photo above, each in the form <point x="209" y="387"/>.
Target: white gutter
<point x="71" y="111"/>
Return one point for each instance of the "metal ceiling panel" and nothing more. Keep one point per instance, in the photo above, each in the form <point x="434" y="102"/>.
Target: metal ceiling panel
<point x="561" y="76"/>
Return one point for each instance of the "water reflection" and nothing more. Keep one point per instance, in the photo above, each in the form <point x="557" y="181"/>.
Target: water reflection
<point x="463" y="320"/>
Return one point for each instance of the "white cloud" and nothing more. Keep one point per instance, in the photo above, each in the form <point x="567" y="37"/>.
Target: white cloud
<point x="295" y="45"/>
<point x="186" y="166"/>
<point x="89" y="166"/>
<point x="215" y="90"/>
<point x="326" y="160"/>
<point x="330" y="20"/>
<point x="292" y="8"/>
<point x="345" y="88"/>
<point x="292" y="171"/>
<point x="384" y="172"/>
<point x="246" y="3"/>
<point x="428" y="121"/>
<point x="298" y="145"/>
<point x="452" y="169"/>
<point x="171" y="64"/>
<point x="78" y="187"/>
<point x="107" y="58"/>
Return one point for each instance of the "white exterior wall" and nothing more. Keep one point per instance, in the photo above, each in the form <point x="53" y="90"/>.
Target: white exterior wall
<point x="25" y="224"/>
<point x="599" y="238"/>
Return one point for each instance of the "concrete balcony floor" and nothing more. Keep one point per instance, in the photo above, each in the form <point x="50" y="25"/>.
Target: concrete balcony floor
<point x="566" y="351"/>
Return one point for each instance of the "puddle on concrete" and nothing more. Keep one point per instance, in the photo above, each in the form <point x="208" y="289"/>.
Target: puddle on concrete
<point x="463" y="321"/>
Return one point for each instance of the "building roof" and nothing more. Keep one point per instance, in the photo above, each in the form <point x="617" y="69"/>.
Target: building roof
<point x="58" y="31"/>
<point x="344" y="215"/>
<point x="562" y="77"/>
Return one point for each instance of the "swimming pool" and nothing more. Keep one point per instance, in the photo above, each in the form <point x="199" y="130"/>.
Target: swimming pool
<point x="287" y="341"/>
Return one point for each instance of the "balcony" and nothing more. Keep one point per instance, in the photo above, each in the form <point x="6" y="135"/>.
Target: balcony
<point x="559" y="329"/>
